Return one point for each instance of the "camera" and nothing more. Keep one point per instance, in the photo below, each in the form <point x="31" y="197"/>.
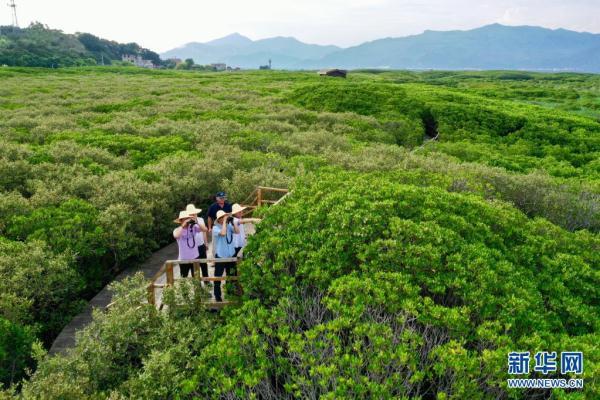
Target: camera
<point x="191" y="222"/>
<point x="230" y="220"/>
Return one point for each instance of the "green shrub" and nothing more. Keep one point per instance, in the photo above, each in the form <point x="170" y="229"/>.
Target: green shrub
<point x="96" y="163"/>
<point x="15" y="351"/>
<point x="37" y="287"/>
<point x="360" y="287"/>
<point x="130" y="351"/>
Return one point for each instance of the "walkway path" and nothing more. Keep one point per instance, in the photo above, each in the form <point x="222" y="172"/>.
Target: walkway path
<point x="66" y="338"/>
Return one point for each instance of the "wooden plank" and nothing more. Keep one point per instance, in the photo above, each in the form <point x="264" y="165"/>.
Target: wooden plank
<point x="170" y="276"/>
<point x="219" y="278"/>
<point x="197" y="268"/>
<point x="203" y="260"/>
<point x="250" y="199"/>
<point x="282" y="198"/>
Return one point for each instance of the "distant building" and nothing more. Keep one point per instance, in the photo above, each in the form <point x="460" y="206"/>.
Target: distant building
<point x="219" y="66"/>
<point x="138" y="61"/>
<point x="266" y="66"/>
<point x="338" y="73"/>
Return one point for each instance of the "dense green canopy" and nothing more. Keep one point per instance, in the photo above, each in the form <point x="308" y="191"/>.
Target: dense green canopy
<point x="40" y="46"/>
<point x="400" y="266"/>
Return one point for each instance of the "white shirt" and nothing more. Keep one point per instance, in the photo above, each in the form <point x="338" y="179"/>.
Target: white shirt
<point x="199" y="237"/>
<point x="239" y="239"/>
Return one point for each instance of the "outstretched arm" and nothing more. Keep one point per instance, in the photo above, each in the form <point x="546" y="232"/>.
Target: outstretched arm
<point x="250" y="220"/>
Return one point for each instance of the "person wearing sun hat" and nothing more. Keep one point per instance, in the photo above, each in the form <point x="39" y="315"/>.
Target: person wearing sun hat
<point x="200" y="236"/>
<point x="185" y="234"/>
<point x="239" y="239"/>
<point x="223" y="232"/>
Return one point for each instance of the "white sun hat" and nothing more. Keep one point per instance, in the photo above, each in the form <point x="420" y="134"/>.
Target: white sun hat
<point x="182" y="215"/>
<point x="191" y="209"/>
<point x="236" y="208"/>
<point x="221" y="214"/>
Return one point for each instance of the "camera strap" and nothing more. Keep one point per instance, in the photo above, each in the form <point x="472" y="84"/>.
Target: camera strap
<point x="229" y="241"/>
<point x="193" y="236"/>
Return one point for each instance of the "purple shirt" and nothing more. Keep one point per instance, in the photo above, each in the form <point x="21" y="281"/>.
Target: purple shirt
<point x="188" y="248"/>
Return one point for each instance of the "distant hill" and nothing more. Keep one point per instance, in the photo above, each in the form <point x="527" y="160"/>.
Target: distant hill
<point x="490" y="47"/>
<point x="238" y="50"/>
<point x="40" y="46"/>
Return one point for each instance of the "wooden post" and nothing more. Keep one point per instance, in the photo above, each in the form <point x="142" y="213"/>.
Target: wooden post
<point x="197" y="269"/>
<point x="151" y="295"/>
<point x="259" y="197"/>
<point x="170" y="277"/>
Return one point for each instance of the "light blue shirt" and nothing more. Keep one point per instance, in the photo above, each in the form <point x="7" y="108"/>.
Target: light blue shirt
<point x="222" y="248"/>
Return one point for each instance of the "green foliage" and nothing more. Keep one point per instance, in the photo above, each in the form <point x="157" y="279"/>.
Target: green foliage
<point x="413" y="275"/>
<point x="72" y="225"/>
<point x="380" y="290"/>
<point x="37" y="287"/>
<point x="131" y="351"/>
<point x="139" y="149"/>
<point x="104" y="50"/>
<point x="40" y="46"/>
<point x="15" y="351"/>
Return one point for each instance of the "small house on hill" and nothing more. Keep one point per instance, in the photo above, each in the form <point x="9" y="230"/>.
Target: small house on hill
<point x="338" y="73"/>
<point x="218" y="66"/>
<point x="137" y="60"/>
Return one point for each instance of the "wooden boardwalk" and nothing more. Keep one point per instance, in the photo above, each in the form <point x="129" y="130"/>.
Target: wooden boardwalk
<point x="66" y="339"/>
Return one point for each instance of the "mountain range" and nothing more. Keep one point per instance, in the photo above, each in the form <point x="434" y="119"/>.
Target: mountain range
<point x="489" y="47"/>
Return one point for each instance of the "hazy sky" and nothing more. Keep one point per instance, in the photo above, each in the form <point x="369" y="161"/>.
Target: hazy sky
<point x="161" y="25"/>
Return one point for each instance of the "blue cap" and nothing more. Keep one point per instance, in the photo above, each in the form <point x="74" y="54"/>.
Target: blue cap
<point x="221" y="194"/>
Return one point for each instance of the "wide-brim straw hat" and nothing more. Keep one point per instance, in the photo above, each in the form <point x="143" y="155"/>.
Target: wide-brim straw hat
<point x="191" y="209"/>
<point x="236" y="208"/>
<point x="182" y="215"/>
<point x="221" y="214"/>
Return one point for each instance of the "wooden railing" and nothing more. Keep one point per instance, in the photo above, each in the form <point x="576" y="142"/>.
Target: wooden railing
<point x="168" y="266"/>
<point x="257" y="198"/>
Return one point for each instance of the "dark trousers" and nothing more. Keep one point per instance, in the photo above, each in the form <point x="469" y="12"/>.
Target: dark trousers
<point x="202" y="254"/>
<point x="228" y="267"/>
<point x="185" y="269"/>
<point x="237" y="251"/>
